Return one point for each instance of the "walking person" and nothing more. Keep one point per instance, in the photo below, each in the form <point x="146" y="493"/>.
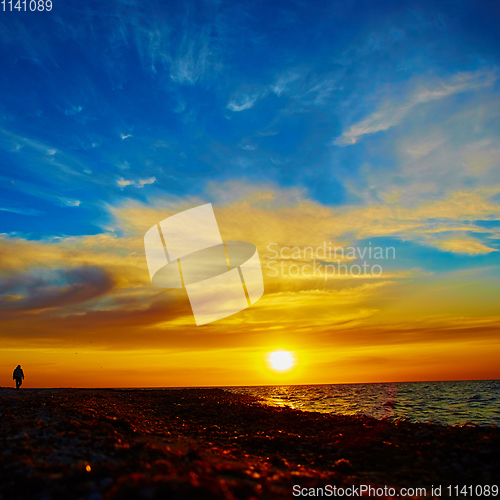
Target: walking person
<point x="18" y="376"/>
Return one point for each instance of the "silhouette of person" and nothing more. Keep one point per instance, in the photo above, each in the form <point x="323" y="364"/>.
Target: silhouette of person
<point x="18" y="376"/>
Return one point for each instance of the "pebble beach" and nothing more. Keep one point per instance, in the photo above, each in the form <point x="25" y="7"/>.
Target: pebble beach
<point x="111" y="444"/>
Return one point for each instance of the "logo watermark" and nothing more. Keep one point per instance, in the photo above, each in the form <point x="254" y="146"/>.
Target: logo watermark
<point x="186" y="251"/>
<point x="327" y="261"/>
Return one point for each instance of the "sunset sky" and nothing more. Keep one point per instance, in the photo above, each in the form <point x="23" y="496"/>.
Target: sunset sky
<point x="345" y="124"/>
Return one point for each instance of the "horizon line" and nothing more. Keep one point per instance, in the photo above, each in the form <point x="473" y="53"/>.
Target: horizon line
<point x="258" y="385"/>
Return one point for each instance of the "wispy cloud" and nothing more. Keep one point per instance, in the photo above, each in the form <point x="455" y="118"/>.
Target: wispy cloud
<point x="22" y="211"/>
<point x="38" y="47"/>
<point x="393" y="113"/>
<point x="73" y="110"/>
<point x="429" y="159"/>
<point x="64" y="167"/>
<point x="39" y="191"/>
<point x="192" y="59"/>
<point x="300" y="84"/>
<point x="284" y="81"/>
<point x="465" y="245"/>
<point x="189" y="56"/>
<point x="242" y="102"/>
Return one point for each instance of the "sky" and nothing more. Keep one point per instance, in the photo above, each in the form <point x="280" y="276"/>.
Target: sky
<point x="352" y="124"/>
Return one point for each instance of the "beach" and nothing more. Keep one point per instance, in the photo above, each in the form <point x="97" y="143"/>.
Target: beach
<point x="208" y="443"/>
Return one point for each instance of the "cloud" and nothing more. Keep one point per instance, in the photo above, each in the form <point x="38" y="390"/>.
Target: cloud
<point x="429" y="222"/>
<point x="73" y="110"/>
<point x="66" y="202"/>
<point x="37" y="190"/>
<point x="302" y="85"/>
<point x="392" y="113"/>
<point x="464" y="245"/>
<point x="42" y="288"/>
<point x="16" y="142"/>
<point x="22" y="211"/>
<point x="283" y="82"/>
<point x="423" y="148"/>
<point x="429" y="158"/>
<point x="288" y="218"/>
<point x="265" y="194"/>
<point x="192" y="59"/>
<point x="189" y="53"/>
<point x="122" y="182"/>
<point x="242" y="102"/>
<point x="67" y="292"/>
<point x="248" y="146"/>
<point x="36" y="47"/>
<point x="140" y="183"/>
<point x="121" y="257"/>
<point x="38" y="158"/>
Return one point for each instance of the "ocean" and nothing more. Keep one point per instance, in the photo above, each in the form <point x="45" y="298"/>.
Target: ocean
<point x="452" y="403"/>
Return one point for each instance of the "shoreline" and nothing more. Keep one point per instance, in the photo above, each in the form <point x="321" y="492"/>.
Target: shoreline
<point x="210" y="443"/>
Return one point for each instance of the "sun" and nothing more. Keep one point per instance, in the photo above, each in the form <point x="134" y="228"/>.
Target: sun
<point x="281" y="360"/>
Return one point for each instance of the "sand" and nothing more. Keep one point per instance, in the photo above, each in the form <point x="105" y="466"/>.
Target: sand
<point x="207" y="443"/>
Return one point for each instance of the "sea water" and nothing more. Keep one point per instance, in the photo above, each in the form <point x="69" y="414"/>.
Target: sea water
<point x="451" y="403"/>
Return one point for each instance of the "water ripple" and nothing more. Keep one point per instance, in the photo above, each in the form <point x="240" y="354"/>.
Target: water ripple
<point x="452" y="403"/>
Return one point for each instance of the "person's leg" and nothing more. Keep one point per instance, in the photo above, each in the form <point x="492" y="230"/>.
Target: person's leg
<point x="18" y="383"/>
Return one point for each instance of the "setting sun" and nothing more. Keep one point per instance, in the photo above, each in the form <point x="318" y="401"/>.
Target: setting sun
<point x="281" y="360"/>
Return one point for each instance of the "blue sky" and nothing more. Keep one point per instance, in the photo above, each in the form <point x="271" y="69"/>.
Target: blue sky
<point x="133" y="101"/>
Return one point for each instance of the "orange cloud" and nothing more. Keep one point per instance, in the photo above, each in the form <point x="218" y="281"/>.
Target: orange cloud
<point x="110" y="310"/>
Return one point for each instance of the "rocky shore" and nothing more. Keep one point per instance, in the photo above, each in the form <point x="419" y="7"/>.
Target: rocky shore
<point x="112" y="444"/>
